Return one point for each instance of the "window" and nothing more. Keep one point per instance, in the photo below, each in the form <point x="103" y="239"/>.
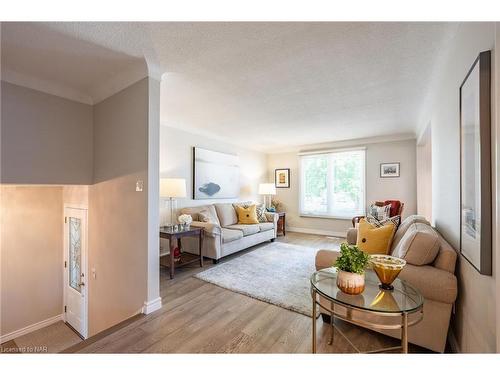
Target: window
<point x="333" y="184"/>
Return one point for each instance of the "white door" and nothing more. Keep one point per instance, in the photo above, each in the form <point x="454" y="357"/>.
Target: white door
<point x="75" y="269"/>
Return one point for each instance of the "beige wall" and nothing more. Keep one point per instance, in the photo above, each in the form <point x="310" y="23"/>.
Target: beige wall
<point x="474" y="325"/>
<point x="403" y="188"/>
<point x="424" y="175"/>
<point x="45" y="139"/>
<point x="176" y="161"/>
<point x="76" y="196"/>
<point x="31" y="255"/>
<point x="118" y="215"/>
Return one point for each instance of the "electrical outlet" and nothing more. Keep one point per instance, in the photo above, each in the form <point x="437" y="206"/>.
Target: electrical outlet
<point x="139" y="185"/>
<point x="93" y="273"/>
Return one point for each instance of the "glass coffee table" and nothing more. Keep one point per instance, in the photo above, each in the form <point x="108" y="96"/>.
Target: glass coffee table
<point x="375" y="308"/>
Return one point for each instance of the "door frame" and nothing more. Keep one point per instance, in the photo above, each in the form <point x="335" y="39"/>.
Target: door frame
<point x="84" y="266"/>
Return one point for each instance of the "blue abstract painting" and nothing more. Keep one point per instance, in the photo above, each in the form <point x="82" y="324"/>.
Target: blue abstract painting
<point x="216" y="175"/>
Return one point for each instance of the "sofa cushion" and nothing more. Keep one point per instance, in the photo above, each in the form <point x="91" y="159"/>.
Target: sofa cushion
<point x="447" y="256"/>
<point x="380" y="212"/>
<point x="206" y="216"/>
<point x="261" y="213"/>
<point x="194" y="212"/>
<point x="209" y="229"/>
<point x="266" y="226"/>
<point x="373" y="240"/>
<point x="247" y="229"/>
<point x="396" y="220"/>
<point x="403" y="227"/>
<point x="230" y="235"/>
<point x="226" y="214"/>
<point x="247" y="214"/>
<point x="431" y="282"/>
<point x="419" y="245"/>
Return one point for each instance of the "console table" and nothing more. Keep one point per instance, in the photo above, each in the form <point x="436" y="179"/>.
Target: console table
<point x="174" y="238"/>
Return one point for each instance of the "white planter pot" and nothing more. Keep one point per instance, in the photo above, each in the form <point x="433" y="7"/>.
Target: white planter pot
<point x="351" y="283"/>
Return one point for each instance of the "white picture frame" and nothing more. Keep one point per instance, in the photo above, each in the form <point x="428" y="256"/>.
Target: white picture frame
<point x="389" y="170"/>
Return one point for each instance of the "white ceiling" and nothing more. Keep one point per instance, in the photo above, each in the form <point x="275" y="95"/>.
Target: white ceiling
<point x="266" y="85"/>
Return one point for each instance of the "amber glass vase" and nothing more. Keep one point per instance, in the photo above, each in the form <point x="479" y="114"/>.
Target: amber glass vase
<point x="387" y="269"/>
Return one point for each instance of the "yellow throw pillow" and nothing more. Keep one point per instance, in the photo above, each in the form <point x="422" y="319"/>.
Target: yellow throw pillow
<point x="373" y="240"/>
<point x="247" y="214"/>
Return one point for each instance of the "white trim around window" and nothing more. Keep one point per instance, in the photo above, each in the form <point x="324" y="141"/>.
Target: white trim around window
<point x="323" y="194"/>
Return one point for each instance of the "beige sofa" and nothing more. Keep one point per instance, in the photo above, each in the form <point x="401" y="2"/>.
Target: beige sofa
<point x="225" y="236"/>
<point x="436" y="281"/>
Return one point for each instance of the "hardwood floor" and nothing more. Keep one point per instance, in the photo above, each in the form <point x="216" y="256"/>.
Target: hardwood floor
<point x="199" y="317"/>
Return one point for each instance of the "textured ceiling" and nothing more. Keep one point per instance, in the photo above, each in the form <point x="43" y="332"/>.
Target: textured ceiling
<point x="268" y="85"/>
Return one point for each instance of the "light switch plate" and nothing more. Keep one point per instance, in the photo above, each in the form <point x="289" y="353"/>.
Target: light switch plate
<point x="139" y="185"/>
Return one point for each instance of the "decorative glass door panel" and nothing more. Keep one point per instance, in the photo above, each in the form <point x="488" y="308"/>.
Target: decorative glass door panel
<point x="75" y="253"/>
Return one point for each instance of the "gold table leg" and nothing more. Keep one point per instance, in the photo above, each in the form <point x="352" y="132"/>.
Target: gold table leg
<point x="404" y="333"/>
<point x="314" y="322"/>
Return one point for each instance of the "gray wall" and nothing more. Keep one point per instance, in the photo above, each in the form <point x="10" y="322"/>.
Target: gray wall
<point x="473" y="326"/>
<point x="402" y="188"/>
<point x="45" y="139"/>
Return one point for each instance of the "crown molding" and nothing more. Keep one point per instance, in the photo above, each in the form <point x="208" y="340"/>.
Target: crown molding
<point x="344" y="143"/>
<point x="45" y="86"/>
<point x="118" y="82"/>
<point x="96" y="94"/>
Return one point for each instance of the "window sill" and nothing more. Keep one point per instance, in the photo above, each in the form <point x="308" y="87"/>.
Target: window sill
<point x="328" y="216"/>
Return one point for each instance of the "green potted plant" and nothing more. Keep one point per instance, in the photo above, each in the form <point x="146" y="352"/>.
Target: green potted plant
<point x="351" y="266"/>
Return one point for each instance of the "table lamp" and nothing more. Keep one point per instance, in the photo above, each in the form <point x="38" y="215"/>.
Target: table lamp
<point x="265" y="190"/>
<point x="172" y="188"/>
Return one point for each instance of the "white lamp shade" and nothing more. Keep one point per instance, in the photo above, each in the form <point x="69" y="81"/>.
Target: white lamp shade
<point x="173" y="187"/>
<point x="267" y="189"/>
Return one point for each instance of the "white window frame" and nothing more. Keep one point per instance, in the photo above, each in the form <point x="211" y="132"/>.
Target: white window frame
<point x="302" y="213"/>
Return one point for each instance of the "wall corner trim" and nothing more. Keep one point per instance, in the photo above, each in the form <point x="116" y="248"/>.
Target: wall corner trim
<point x="151" y="306"/>
<point x="30" y="328"/>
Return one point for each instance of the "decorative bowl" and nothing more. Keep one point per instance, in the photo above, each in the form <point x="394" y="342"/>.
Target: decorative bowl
<point x="387" y="269"/>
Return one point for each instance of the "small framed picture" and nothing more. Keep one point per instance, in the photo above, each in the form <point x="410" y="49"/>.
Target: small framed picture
<point x="282" y="178"/>
<point x="389" y="170"/>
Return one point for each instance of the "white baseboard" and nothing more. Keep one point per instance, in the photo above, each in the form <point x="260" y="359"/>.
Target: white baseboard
<point x="317" y="231"/>
<point x="30" y="328"/>
<point x="150" y="306"/>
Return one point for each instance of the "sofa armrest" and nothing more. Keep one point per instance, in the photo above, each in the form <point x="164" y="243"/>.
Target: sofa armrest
<point x="352" y="236"/>
<point x="210" y="229"/>
<point x="431" y="282"/>
<point x="326" y="258"/>
<point x="272" y="217"/>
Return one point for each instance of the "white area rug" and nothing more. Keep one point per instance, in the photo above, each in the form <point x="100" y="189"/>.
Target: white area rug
<point x="277" y="273"/>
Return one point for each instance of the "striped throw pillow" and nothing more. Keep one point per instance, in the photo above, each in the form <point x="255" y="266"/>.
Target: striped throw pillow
<point x="261" y="213"/>
<point x="380" y="212"/>
<point x="396" y="220"/>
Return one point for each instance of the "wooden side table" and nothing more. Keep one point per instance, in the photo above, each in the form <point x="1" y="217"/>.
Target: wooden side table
<point x="282" y="222"/>
<point x="174" y="239"/>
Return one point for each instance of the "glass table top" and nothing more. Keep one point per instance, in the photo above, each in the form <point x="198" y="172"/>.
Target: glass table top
<point x="404" y="298"/>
